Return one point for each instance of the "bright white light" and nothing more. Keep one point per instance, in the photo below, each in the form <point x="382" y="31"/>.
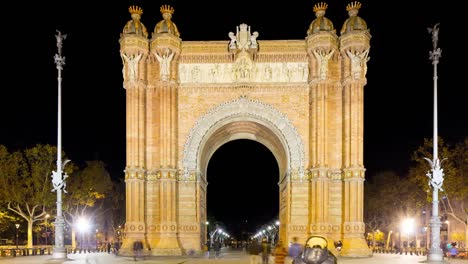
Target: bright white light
<point x="82" y="224"/>
<point x="407" y="225"/>
<point x="277" y="223"/>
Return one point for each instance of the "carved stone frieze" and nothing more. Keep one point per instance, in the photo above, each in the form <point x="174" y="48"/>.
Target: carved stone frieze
<point x="354" y="227"/>
<point x="244" y="70"/>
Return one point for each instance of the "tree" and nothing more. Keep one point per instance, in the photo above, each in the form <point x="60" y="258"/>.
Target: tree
<point x="87" y="189"/>
<point x="116" y="215"/>
<point x="5" y="215"/>
<point x="455" y="186"/>
<point x="389" y="199"/>
<point x="25" y="183"/>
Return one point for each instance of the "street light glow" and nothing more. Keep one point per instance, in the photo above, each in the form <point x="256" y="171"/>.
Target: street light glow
<point x="407" y="225"/>
<point x="82" y="224"/>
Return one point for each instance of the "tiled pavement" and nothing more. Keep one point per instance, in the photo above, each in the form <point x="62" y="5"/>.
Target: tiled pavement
<point x="227" y="257"/>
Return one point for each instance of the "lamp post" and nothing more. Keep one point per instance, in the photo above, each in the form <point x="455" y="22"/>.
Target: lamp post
<point x="46" y="234"/>
<point x="448" y="230"/>
<point x="58" y="180"/>
<point x="97" y="231"/>
<point x="17" y="227"/>
<point x="388" y="239"/>
<point x="118" y="235"/>
<point x="436" y="174"/>
<point x="207" y="233"/>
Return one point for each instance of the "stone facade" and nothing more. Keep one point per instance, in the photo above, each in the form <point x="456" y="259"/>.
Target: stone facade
<point x="303" y="99"/>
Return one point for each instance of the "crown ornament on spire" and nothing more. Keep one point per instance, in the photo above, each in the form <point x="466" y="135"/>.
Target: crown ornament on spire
<point x="166" y="9"/>
<point x="320" y="7"/>
<point x="353" y="6"/>
<point x="135" y="10"/>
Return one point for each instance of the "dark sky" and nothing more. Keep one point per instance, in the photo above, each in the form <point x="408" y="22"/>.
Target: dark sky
<point x="398" y="96"/>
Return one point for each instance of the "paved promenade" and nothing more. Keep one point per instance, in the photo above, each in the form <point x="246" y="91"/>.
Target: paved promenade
<point x="227" y="257"/>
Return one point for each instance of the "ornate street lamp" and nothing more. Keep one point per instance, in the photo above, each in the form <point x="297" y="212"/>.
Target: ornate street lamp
<point x="17" y="227"/>
<point x="436" y="175"/>
<point x="58" y="180"/>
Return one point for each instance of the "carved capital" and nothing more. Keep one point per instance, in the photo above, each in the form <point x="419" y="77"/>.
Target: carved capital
<point x="135" y="173"/>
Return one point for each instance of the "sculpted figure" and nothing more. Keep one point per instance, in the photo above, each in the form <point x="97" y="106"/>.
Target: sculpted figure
<point x="358" y="62"/>
<point x="232" y="43"/>
<point x="253" y="40"/>
<point x="131" y="62"/>
<point x="323" y="58"/>
<point x="165" y="63"/>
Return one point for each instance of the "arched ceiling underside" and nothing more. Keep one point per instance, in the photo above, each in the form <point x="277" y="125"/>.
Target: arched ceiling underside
<point x="242" y="129"/>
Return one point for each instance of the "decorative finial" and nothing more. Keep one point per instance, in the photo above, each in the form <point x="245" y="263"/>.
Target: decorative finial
<point x="434" y="31"/>
<point x="320" y="7"/>
<point x="353" y="6"/>
<point x="135" y="10"/>
<point x="436" y="52"/>
<point x="167" y="9"/>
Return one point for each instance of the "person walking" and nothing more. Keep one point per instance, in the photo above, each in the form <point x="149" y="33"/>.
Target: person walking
<point x="217" y="247"/>
<point x="280" y="253"/>
<point x="254" y="251"/>
<point x="266" y="250"/>
<point x="137" y="248"/>
<point x="453" y="251"/>
<point x="339" y="246"/>
<point x="116" y="247"/>
<point x="295" y="249"/>
<point x="207" y="249"/>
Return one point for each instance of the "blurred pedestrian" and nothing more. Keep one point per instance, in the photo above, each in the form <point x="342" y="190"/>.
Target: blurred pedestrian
<point x="266" y="250"/>
<point x="453" y="251"/>
<point x="280" y="253"/>
<point x="116" y="247"/>
<point x="137" y="249"/>
<point x="217" y="247"/>
<point x="254" y="251"/>
<point x="295" y="249"/>
<point x="207" y="248"/>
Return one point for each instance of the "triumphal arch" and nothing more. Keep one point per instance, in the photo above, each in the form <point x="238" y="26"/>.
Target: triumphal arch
<point x="303" y="99"/>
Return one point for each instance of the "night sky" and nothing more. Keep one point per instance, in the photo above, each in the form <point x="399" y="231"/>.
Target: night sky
<point x="398" y="96"/>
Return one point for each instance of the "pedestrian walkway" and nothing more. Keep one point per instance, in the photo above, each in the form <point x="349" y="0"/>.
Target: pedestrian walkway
<point x="226" y="257"/>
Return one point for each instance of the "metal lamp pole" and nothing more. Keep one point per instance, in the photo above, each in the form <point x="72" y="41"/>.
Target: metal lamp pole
<point x="46" y="223"/>
<point x="17" y="227"/>
<point x="436" y="174"/>
<point x="58" y="181"/>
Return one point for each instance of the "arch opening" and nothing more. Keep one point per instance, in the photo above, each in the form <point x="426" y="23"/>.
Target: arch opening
<point x="242" y="191"/>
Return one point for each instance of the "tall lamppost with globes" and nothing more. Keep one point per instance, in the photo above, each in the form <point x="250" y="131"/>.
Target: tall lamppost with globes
<point x="436" y="175"/>
<point x="58" y="178"/>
